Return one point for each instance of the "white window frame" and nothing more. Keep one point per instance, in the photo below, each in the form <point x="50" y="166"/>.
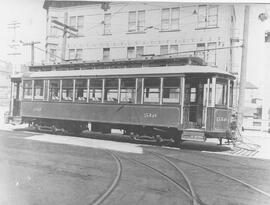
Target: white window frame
<point x="137" y="27"/>
<point x="107" y="57"/>
<point x="107" y="24"/>
<point x="207" y="16"/>
<point x="170" y="19"/>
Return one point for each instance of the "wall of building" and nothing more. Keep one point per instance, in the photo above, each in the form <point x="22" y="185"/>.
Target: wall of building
<point x="189" y="37"/>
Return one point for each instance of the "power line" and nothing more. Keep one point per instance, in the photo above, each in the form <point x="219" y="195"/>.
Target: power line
<point x="194" y="51"/>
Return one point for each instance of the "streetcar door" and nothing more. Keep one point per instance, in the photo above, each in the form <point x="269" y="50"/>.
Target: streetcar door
<point x="15" y="97"/>
<point x="194" y="89"/>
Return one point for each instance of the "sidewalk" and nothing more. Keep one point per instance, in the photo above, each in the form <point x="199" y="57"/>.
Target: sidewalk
<point x="260" y="138"/>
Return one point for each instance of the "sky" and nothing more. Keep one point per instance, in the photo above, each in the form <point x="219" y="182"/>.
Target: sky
<point x="32" y="18"/>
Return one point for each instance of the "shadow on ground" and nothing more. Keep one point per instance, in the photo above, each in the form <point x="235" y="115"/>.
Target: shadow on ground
<point x="187" y="145"/>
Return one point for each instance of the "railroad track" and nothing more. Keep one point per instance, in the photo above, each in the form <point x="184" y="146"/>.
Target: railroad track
<point x="254" y="188"/>
<point x="106" y="193"/>
<point x="188" y="190"/>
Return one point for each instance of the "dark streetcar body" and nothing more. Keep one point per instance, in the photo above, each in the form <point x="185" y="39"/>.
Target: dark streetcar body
<point x="176" y="101"/>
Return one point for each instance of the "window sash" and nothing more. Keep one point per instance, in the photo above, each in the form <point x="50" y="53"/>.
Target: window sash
<point x="132" y="21"/>
<point x="141" y="21"/>
<point x="38" y="89"/>
<point x="106" y="53"/>
<point x="107" y="24"/>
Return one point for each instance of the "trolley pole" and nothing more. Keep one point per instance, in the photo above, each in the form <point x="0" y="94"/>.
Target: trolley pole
<point x="241" y="100"/>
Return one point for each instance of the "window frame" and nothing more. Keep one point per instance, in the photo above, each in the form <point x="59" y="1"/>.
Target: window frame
<point x="41" y="97"/>
<point x="28" y="88"/>
<point x="148" y="92"/>
<point x="203" y="20"/>
<point x="166" y="23"/>
<point x="137" y="22"/>
<point x="128" y="88"/>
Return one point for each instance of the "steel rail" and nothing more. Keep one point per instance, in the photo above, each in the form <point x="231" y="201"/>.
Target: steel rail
<point x="114" y="183"/>
<point x="194" y="197"/>
<point x="168" y="178"/>
<point x="224" y="175"/>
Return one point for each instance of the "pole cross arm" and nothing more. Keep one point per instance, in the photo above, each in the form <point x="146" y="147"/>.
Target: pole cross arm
<point x="64" y="25"/>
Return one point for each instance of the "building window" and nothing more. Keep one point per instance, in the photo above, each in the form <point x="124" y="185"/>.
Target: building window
<point x="135" y="52"/>
<point x="81" y="90"/>
<point x="71" y="54"/>
<point x="67" y="90"/>
<point x="130" y="52"/>
<point x="151" y="90"/>
<point x="95" y="90"/>
<point x="53" y="29"/>
<point x="141" y="21"/>
<point x="38" y="89"/>
<point x="267" y="37"/>
<point x="136" y="21"/>
<point x="128" y="90"/>
<point x="163" y="49"/>
<point x="200" y="51"/>
<point x="211" y="53"/>
<point x="174" y="49"/>
<point x="106" y="53"/>
<point x="207" y="16"/>
<point x="52" y="54"/>
<point x="77" y="22"/>
<point x="79" y="54"/>
<point x="207" y="54"/>
<point x="139" y="51"/>
<point x="27" y="89"/>
<point x="75" y="54"/>
<point x="171" y="90"/>
<point x="107" y="24"/>
<point x="170" y="19"/>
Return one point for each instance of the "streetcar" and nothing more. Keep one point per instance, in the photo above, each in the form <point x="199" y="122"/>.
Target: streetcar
<point x="173" y="98"/>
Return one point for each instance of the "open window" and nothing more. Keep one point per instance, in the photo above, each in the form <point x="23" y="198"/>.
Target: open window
<point x="67" y="90"/>
<point x="54" y="90"/>
<point x="111" y="90"/>
<point x="221" y="92"/>
<point x="151" y="90"/>
<point x="128" y="90"/>
<point x="95" y="90"/>
<point x="27" y="89"/>
<point x="171" y="90"/>
<point x="38" y="89"/>
<point x="81" y="90"/>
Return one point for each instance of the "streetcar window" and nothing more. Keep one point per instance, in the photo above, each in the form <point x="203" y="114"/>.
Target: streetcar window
<point x="38" y="89"/>
<point x="111" y="90"/>
<point x="151" y="90"/>
<point x="67" y="90"/>
<point x="221" y="92"/>
<point x="231" y="95"/>
<point x="27" y="89"/>
<point x="171" y="90"/>
<point x="54" y="90"/>
<point x="95" y="90"/>
<point x="193" y="94"/>
<point x="128" y="90"/>
<point x="81" y="90"/>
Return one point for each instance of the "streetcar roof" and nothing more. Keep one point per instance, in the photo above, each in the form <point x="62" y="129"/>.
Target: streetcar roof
<point x="170" y="70"/>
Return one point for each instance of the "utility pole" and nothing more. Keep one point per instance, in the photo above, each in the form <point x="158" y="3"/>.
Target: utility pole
<point x="32" y="44"/>
<point x="241" y="101"/>
<point x="14" y="25"/>
<point x="66" y="29"/>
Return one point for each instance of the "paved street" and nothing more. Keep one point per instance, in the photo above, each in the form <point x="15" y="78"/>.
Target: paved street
<point x="40" y="168"/>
